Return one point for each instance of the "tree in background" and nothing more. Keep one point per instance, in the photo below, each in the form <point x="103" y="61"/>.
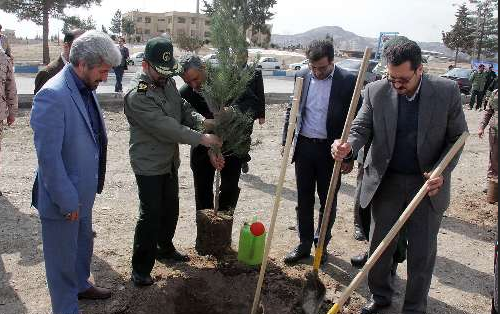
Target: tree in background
<point x="116" y="23"/>
<point x="128" y="27"/>
<point x="461" y="36"/>
<point x="73" y="21"/>
<point x="39" y="12"/>
<point x="104" y="29"/>
<point x="187" y="43"/>
<point x="254" y="13"/>
<point x="485" y="17"/>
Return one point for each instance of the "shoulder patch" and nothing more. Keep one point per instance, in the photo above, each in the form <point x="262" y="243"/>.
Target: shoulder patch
<point x="142" y="87"/>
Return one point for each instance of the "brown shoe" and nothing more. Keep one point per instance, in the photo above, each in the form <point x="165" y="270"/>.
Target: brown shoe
<point x="95" y="293"/>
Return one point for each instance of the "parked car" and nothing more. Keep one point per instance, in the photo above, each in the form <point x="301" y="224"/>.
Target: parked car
<point x="353" y="65"/>
<point x="299" y="65"/>
<point x="136" y="58"/>
<point x="211" y="58"/>
<point x="461" y="76"/>
<point x="268" y="63"/>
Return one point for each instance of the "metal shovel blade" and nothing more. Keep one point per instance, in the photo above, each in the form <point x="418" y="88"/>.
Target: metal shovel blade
<point x="313" y="294"/>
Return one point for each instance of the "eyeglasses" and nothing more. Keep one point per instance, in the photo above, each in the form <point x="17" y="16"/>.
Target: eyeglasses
<point x="401" y="80"/>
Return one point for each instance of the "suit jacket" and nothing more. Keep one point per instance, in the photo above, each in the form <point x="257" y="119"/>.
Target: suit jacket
<point x="70" y="171"/>
<point x="47" y="73"/>
<point x="440" y="122"/>
<point x="343" y="83"/>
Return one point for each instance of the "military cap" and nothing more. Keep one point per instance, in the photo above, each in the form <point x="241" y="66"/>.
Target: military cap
<point x="159" y="53"/>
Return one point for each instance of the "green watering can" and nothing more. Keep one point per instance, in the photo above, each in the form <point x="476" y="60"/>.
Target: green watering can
<point x="252" y="243"/>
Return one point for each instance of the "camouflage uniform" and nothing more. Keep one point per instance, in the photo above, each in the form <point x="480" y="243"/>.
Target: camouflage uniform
<point x="478" y="81"/>
<point x="8" y="92"/>
<point x="490" y="117"/>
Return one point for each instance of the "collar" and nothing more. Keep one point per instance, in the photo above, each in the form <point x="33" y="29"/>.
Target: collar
<point x="412" y="98"/>
<point x="78" y="81"/>
<point x="64" y="59"/>
<point x="330" y="76"/>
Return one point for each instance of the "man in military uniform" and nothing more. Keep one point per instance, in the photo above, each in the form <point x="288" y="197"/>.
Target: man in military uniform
<point x="490" y="117"/>
<point x="478" y="81"/>
<point x="159" y="120"/>
<point x="4" y="43"/>
<point x="8" y="93"/>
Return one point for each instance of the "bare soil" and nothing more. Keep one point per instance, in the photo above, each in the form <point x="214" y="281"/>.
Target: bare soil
<point x="462" y="281"/>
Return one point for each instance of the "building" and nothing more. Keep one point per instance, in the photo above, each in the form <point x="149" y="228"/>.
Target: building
<point x="175" y="24"/>
<point x="149" y="25"/>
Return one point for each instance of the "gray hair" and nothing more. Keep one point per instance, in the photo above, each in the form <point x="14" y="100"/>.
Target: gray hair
<point x="190" y="61"/>
<point x="94" y="48"/>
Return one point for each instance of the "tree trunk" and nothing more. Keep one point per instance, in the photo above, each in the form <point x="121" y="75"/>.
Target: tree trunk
<point x="456" y="57"/>
<point x="46" y="56"/>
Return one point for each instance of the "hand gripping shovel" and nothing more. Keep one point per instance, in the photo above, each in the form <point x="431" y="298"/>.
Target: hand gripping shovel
<point x="284" y="162"/>
<point x="314" y="290"/>
<point x="398" y="225"/>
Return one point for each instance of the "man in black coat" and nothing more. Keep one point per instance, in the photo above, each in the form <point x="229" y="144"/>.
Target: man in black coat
<point x="326" y="95"/>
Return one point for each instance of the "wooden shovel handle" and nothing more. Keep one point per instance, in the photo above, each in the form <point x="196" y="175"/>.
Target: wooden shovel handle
<point x="399" y="224"/>
<point x="336" y="168"/>
<point x="284" y="162"/>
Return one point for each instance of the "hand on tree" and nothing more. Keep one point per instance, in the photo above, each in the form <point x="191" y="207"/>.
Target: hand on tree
<point x="209" y="124"/>
<point x="210" y="140"/>
<point x="217" y="160"/>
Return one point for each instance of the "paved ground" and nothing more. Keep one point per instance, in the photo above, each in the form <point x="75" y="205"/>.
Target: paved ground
<point x="26" y="83"/>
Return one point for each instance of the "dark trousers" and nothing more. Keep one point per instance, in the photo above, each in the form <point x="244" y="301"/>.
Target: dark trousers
<point x="476" y="95"/>
<point x="203" y="176"/>
<point x="313" y="169"/>
<point x="158" y="215"/>
<point x="119" y="70"/>
<point x="394" y="193"/>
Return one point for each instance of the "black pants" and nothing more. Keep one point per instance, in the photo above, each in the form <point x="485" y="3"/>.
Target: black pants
<point x="119" y="70"/>
<point x="158" y="215"/>
<point x="476" y="94"/>
<point x="203" y="175"/>
<point x="313" y="169"/>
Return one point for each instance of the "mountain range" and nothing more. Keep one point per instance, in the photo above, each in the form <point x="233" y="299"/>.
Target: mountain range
<point x="345" y="40"/>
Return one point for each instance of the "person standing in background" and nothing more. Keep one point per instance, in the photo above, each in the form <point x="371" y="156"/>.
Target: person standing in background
<point x="120" y="69"/>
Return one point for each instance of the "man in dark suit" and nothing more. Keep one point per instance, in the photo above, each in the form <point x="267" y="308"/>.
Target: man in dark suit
<point x="412" y="119"/>
<point x="326" y="96"/>
<point x="55" y="66"/>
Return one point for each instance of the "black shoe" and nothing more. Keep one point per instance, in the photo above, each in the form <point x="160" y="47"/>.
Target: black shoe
<point x="141" y="281"/>
<point x="359" y="235"/>
<point x="244" y="167"/>
<point x="296" y="255"/>
<point x="373" y="308"/>
<point x="172" y="256"/>
<point x="359" y="261"/>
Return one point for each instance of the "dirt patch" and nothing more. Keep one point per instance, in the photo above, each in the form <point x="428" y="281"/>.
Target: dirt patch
<point x="214" y="232"/>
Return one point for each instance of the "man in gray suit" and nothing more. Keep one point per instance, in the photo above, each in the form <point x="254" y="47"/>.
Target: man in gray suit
<point x="412" y="119"/>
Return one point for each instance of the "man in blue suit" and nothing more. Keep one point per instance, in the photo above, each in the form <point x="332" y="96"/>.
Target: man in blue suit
<point x="326" y="96"/>
<point x="70" y="141"/>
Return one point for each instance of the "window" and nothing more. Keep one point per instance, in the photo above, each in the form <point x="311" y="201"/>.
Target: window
<point x="161" y="20"/>
<point x="161" y="31"/>
<point x="193" y="20"/>
<point x="139" y="31"/>
<point x="147" y="31"/>
<point x="207" y="22"/>
<point x="139" y="19"/>
<point x="147" y="19"/>
<point x="181" y="20"/>
<point x="168" y="30"/>
<point x="169" y="20"/>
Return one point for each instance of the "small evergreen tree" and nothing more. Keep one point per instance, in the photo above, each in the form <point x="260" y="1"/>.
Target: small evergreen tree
<point x="128" y="27"/>
<point x="485" y="16"/>
<point x="461" y="36"/>
<point x="116" y="23"/>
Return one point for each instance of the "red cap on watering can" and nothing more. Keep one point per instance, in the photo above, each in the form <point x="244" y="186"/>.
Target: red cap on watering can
<point x="257" y="228"/>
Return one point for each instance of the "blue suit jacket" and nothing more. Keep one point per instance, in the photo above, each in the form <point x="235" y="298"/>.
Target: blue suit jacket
<point x="343" y="83"/>
<point x="69" y="171"/>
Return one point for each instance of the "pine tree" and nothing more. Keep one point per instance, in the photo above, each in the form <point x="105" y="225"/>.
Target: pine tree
<point x="460" y="38"/>
<point x="73" y="21"/>
<point x="116" y="23"/>
<point x="486" y="26"/>
<point x="39" y="12"/>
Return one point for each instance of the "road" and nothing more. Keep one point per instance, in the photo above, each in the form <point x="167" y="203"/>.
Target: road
<point x="26" y="83"/>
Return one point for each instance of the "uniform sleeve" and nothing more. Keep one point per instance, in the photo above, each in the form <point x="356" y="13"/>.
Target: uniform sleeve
<point x="143" y="111"/>
<point x="190" y="117"/>
<point x="11" y="92"/>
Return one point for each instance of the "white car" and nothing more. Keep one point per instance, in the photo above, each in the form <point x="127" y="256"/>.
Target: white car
<point x="211" y="58"/>
<point x="136" y="58"/>
<point x="268" y="63"/>
<point x="299" y="65"/>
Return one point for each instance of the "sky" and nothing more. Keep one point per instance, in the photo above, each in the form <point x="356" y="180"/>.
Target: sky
<point x="420" y="20"/>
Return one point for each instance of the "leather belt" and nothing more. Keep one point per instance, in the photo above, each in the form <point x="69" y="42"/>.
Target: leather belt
<point x="313" y="140"/>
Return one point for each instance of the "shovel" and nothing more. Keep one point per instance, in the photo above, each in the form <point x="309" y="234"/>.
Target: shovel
<point x="398" y="225"/>
<point x="314" y="290"/>
<point x="284" y="162"/>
